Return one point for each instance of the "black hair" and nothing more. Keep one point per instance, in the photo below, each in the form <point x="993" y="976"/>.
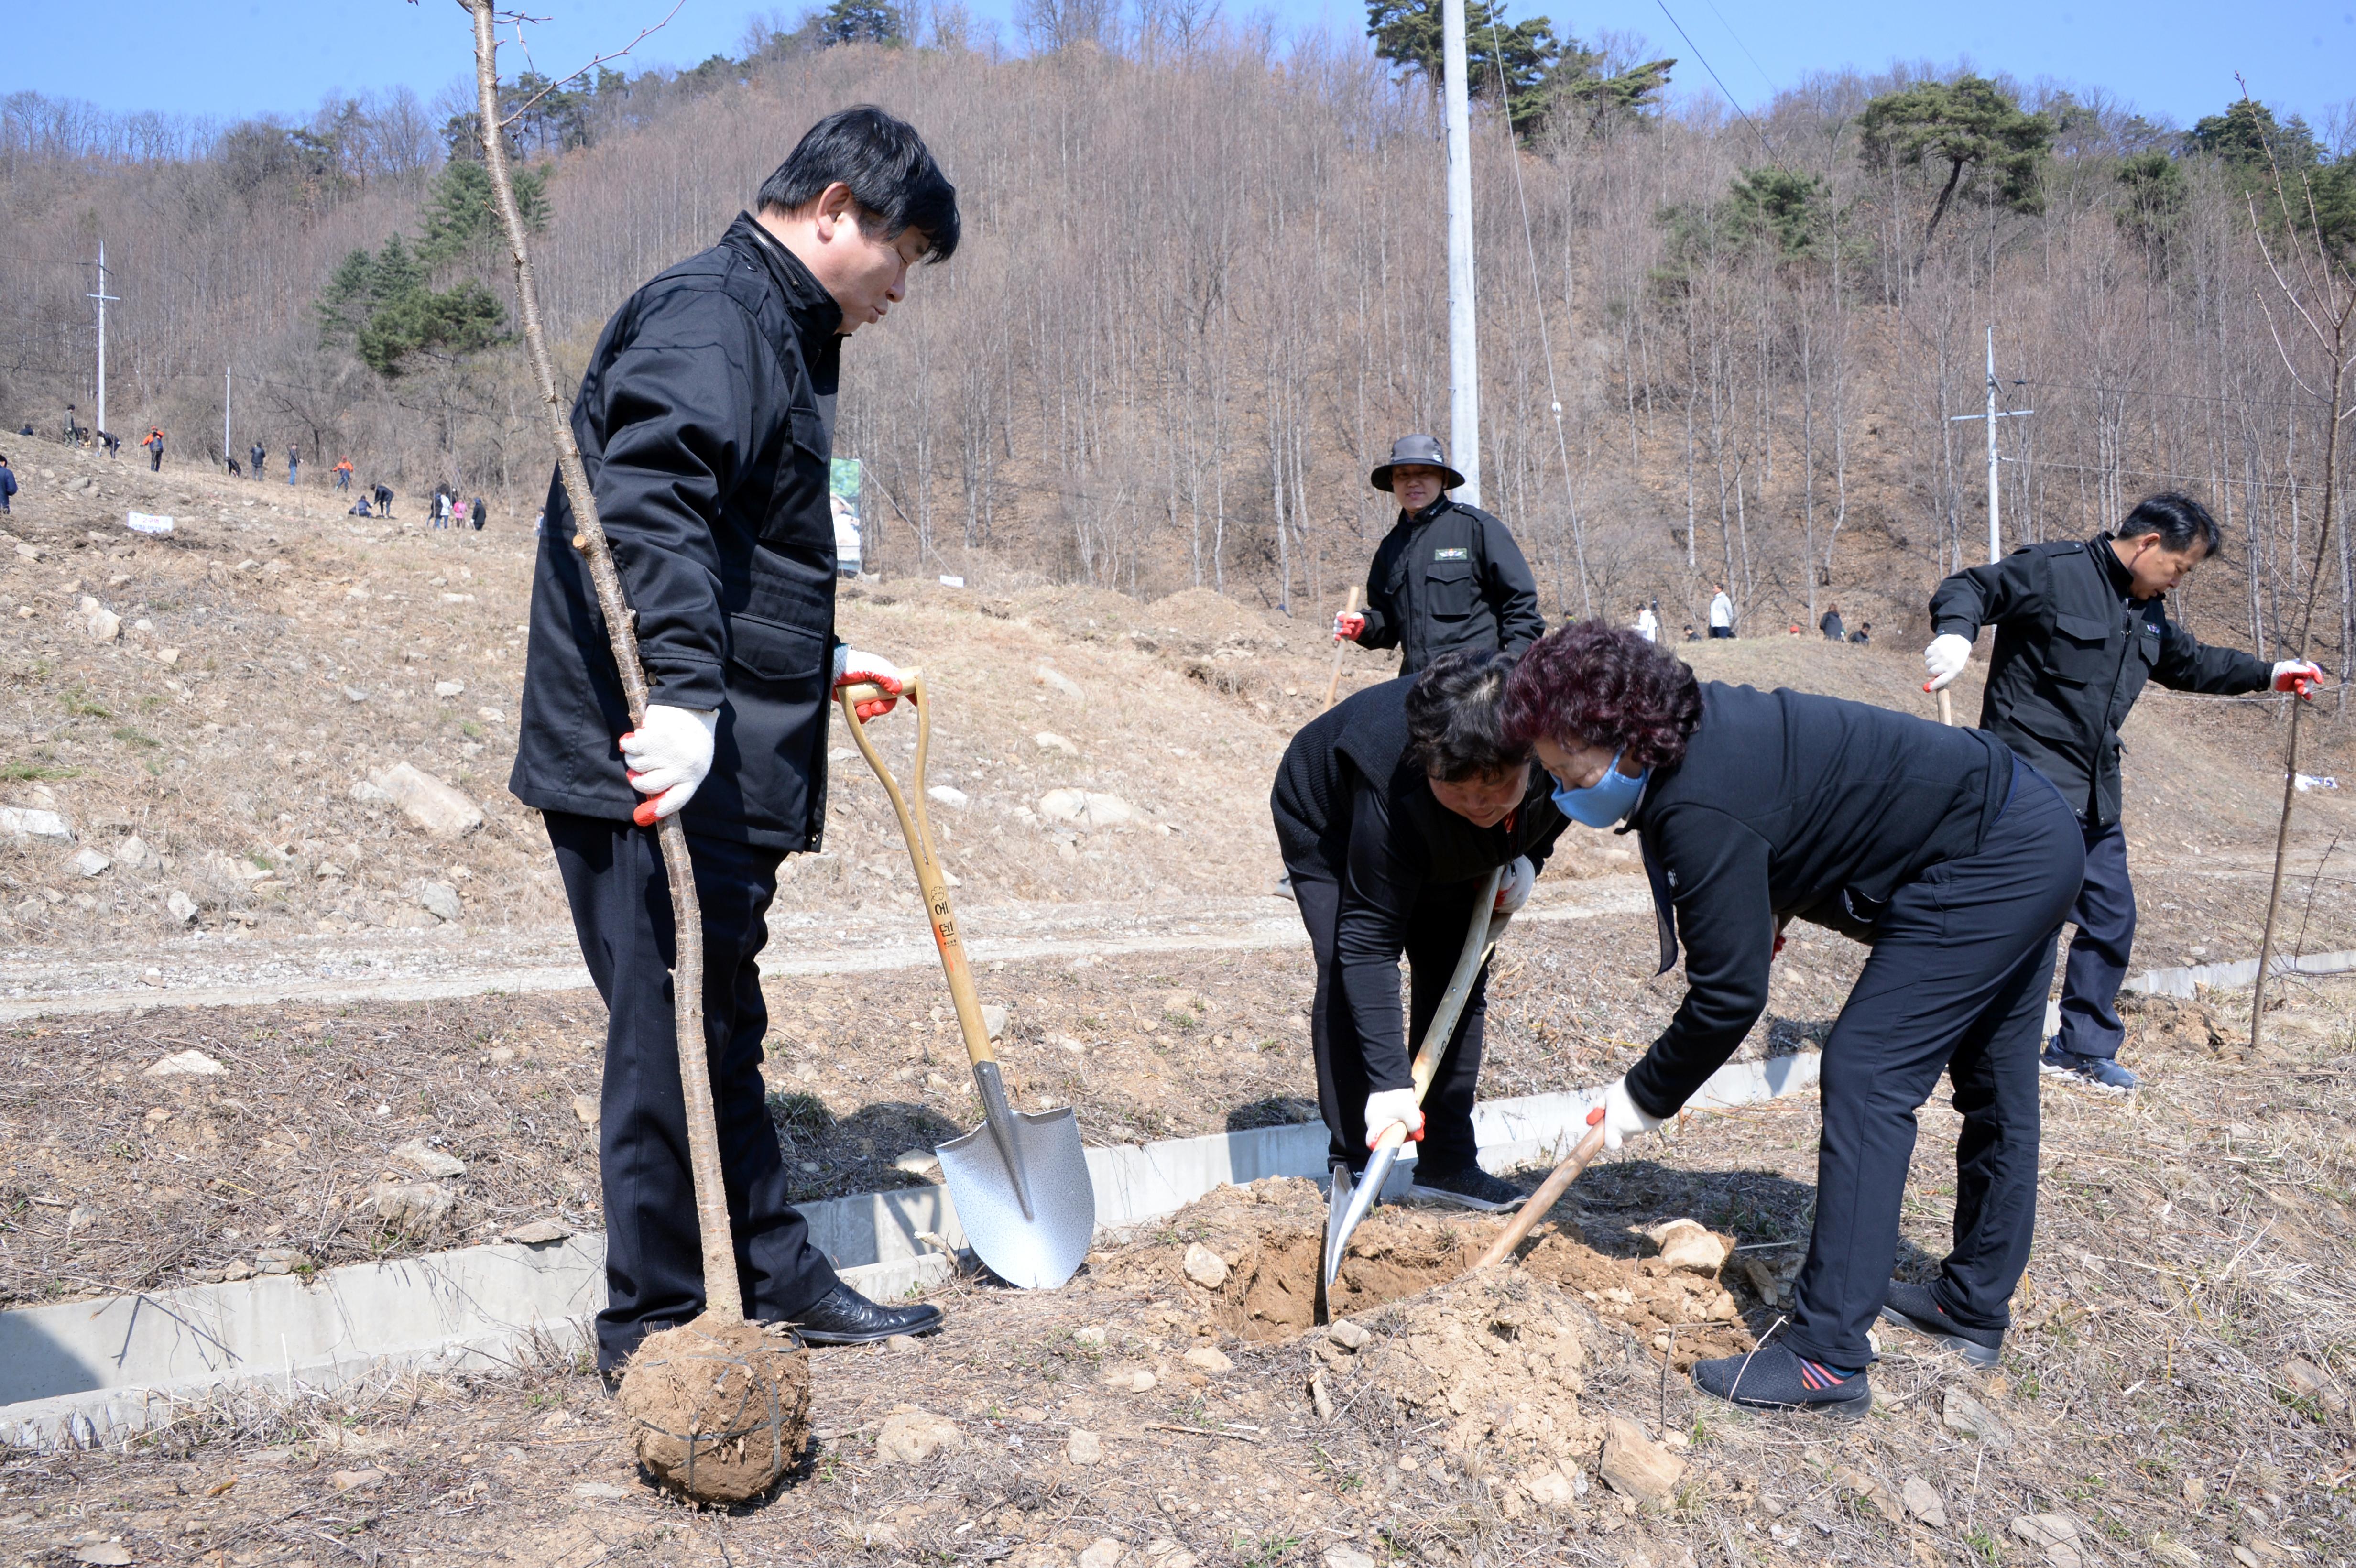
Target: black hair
<point x="2178" y="519"/>
<point x="891" y="173"/>
<point x="1454" y="728"/>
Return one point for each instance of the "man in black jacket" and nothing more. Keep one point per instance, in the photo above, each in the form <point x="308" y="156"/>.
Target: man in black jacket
<point x="1391" y="810"/>
<point x="705" y="422"/>
<point x="2080" y="627"/>
<point x="1447" y="576"/>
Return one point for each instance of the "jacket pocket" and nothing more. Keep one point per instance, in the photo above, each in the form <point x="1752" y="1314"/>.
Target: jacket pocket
<point x="2075" y="653"/>
<point x="1448" y="589"/>
<point x="772" y="651"/>
<point x="799" y="510"/>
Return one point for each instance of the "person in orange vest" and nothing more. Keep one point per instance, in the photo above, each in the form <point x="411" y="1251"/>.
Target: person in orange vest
<point x="155" y="445"/>
<point x="343" y="473"/>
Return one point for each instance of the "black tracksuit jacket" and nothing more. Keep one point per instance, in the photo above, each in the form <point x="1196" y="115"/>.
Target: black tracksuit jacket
<point x="2073" y="652"/>
<point x="705" y="421"/>
<point x="1347" y="797"/>
<point x="1788" y="806"/>
<point x="1449" y="577"/>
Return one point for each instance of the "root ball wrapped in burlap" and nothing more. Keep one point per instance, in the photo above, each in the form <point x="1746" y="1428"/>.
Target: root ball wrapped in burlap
<point x="722" y="1409"/>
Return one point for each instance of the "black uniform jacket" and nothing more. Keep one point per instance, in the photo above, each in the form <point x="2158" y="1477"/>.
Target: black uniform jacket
<point x="1449" y="577"/>
<point x="705" y="422"/>
<point x="2073" y="652"/>
<point x="1788" y="806"/>
<point x="1346" y="799"/>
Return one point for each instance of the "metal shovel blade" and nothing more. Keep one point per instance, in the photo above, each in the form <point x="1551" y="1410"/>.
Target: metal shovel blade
<point x="1350" y="1205"/>
<point x="1024" y="1197"/>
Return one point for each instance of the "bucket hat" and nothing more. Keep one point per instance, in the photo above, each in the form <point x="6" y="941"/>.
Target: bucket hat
<point x="1417" y="449"/>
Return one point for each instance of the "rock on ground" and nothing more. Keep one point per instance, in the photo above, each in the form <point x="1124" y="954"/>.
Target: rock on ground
<point x="1635" y="1466"/>
<point x="910" y="1435"/>
<point x="422" y="1156"/>
<point x="190" y="1063"/>
<point x="1085" y="809"/>
<point x="428" y="802"/>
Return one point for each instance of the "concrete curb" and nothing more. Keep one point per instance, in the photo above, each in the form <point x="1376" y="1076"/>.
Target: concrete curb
<point x="2233" y="976"/>
<point x="82" y="1373"/>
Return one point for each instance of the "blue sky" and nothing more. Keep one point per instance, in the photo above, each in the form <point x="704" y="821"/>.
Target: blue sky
<point x="2165" y="58"/>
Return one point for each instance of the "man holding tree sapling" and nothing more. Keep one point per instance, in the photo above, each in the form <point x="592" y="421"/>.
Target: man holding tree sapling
<point x="705" y="422"/>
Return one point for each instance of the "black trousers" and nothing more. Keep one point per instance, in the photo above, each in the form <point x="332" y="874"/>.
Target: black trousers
<point x="614" y="879"/>
<point x="2105" y="915"/>
<point x="1435" y="941"/>
<point x="1962" y="961"/>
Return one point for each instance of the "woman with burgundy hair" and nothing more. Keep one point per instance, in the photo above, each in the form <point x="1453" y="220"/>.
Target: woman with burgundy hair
<point x="1953" y="860"/>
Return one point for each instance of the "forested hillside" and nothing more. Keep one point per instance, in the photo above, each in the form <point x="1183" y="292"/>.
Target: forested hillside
<point x="1202" y="289"/>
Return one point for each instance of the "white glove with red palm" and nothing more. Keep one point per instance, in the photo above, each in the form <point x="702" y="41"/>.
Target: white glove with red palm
<point x="667" y="756"/>
<point x="2300" y="676"/>
<point x="1387" y="1105"/>
<point x="1513" y="887"/>
<point x="852" y="668"/>
<point x="1348" y="625"/>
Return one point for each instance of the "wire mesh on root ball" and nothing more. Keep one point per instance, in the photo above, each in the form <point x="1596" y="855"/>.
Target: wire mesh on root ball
<point x="722" y="1408"/>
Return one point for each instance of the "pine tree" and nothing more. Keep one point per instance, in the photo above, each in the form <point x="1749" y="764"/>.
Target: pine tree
<point x="1969" y="125"/>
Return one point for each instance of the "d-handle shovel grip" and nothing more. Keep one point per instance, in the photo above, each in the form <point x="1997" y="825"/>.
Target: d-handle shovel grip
<point x="917" y="829"/>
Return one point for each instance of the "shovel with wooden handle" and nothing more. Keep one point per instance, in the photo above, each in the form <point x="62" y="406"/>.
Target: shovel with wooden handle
<point x="1021" y="1179"/>
<point x="1347" y="1204"/>
<point x="1549" y="1192"/>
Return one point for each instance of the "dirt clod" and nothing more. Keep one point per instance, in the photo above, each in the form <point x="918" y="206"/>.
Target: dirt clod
<point x="1635" y="1465"/>
<point x="722" y="1408"/>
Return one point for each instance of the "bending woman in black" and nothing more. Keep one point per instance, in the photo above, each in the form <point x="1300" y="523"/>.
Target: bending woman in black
<point x="1392" y="809"/>
<point x="1952" y="859"/>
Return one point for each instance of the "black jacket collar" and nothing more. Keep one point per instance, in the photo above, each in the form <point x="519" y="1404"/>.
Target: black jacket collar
<point x="814" y="314"/>
<point x="2115" y="570"/>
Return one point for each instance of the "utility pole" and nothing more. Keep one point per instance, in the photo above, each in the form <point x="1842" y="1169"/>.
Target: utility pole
<point x="1996" y="529"/>
<point x="224" y="414"/>
<point x="102" y="296"/>
<point x="1463" y="347"/>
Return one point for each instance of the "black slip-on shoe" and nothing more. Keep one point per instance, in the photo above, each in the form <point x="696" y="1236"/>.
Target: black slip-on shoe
<point x="843" y="1317"/>
<point x="1471" y="1187"/>
<point x="1773" y="1378"/>
<point x="1911" y="1306"/>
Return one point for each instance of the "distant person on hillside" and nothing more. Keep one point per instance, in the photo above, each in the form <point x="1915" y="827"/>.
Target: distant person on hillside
<point x="7" y="484"/>
<point x="1721" y="613"/>
<point x="75" y="433"/>
<point x="234" y="471"/>
<point x="1863" y="635"/>
<point x="293" y="460"/>
<point x="1830" y="625"/>
<point x="111" y="444"/>
<point x="1447" y="576"/>
<point x="260" y="458"/>
<point x="343" y="472"/>
<point x="360" y="508"/>
<point x="2080" y="627"/>
<point x="155" y="445"/>
<point x="704" y="423"/>
<point x="1692" y="635"/>
<point x="1648" y="624"/>
<point x="27" y="429"/>
<point x="479" y="513"/>
<point x="383" y="494"/>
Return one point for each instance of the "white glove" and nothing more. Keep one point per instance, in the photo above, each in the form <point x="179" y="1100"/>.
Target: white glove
<point x="1944" y="659"/>
<point x="1513" y="887"/>
<point x="668" y="756"/>
<point x="2296" y="675"/>
<point x="851" y="666"/>
<point x="1349" y="626"/>
<point x="1623" y="1119"/>
<point x="1392" y="1105"/>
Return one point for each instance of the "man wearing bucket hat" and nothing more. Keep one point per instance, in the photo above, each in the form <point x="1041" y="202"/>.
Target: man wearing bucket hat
<point x="1447" y="576"/>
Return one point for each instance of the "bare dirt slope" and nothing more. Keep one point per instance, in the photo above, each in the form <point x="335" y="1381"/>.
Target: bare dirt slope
<point x="2176" y="1390"/>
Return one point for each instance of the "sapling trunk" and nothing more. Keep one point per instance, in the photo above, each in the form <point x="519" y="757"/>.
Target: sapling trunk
<point x="723" y="1296"/>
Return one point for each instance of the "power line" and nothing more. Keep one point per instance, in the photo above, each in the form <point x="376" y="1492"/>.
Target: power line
<point x="1730" y="99"/>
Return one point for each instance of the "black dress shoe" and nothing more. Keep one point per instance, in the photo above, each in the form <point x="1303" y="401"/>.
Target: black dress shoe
<point x="843" y="1317"/>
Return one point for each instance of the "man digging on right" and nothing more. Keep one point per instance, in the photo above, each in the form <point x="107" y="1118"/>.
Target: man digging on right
<point x="2080" y="627"/>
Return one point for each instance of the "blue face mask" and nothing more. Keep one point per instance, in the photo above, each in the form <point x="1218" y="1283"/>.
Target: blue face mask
<point x="1604" y="802"/>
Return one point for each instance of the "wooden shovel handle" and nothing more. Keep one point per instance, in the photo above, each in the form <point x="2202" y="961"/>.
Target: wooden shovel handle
<point x="1334" y="684"/>
<point x="1549" y="1192"/>
<point x="917" y="829"/>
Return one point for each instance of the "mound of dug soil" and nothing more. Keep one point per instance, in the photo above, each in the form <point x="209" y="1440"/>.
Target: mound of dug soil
<point x="1248" y="1259"/>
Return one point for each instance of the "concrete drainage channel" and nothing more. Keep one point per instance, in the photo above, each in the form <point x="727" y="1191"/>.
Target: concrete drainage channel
<point x="83" y="1373"/>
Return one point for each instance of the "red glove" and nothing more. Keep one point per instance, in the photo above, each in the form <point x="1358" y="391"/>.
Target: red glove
<point x="2300" y="676"/>
<point x="852" y="668"/>
<point x="1348" y="624"/>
